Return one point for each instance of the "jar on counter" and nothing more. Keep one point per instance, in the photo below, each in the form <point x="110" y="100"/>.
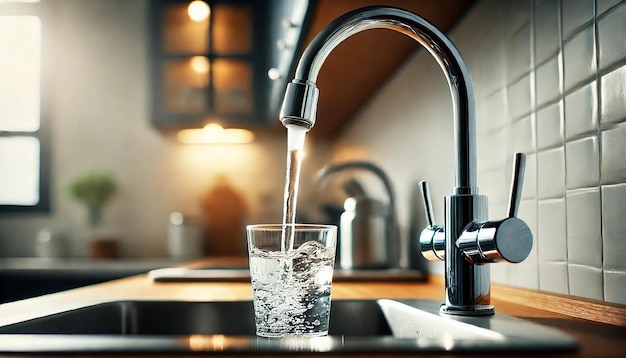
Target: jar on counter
<point x="49" y="244"/>
<point x="184" y="237"/>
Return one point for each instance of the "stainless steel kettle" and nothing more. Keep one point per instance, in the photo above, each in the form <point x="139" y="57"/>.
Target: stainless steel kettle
<point x="368" y="234"/>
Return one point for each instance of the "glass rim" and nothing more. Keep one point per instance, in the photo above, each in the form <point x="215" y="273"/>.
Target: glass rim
<point x="297" y="227"/>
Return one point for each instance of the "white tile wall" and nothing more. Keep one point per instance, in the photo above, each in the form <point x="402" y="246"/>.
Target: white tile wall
<point x="584" y="228"/>
<point x="604" y="5"/>
<point x="613" y="87"/>
<point x="611" y="30"/>
<point x="614" y="154"/>
<point x="548" y="81"/>
<point x="519" y="97"/>
<point x="582" y="162"/>
<point x="496" y="111"/>
<point x="585" y="281"/>
<point x="551" y="173"/>
<point x="547" y="24"/>
<point x="552" y="237"/>
<point x="549" y="126"/>
<point x="525" y="274"/>
<point x="576" y="146"/>
<point x="581" y="110"/>
<point x="579" y="58"/>
<point x="553" y="277"/>
<point x="614" y="286"/>
<point x="575" y="14"/>
<point x="518" y="53"/>
<point x="614" y="227"/>
<point x="556" y="69"/>
<point x="523" y="134"/>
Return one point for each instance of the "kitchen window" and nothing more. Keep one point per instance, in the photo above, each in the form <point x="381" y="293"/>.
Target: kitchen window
<point x="23" y="134"/>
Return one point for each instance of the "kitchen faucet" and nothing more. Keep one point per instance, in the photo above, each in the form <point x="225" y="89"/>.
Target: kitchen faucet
<point x="467" y="241"/>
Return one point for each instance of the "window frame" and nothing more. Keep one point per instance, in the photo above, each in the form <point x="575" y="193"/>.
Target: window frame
<point x="43" y="133"/>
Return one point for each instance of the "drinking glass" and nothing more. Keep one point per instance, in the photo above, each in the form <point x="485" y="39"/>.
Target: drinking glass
<point x="291" y="269"/>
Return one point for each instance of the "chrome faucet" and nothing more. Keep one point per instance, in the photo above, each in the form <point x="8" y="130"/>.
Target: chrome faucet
<point x="467" y="241"/>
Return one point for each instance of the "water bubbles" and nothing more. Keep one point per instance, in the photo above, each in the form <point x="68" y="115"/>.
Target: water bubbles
<point x="302" y="299"/>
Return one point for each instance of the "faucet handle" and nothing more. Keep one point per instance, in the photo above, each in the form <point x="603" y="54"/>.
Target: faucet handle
<point x="428" y="207"/>
<point x="509" y="239"/>
<point x="432" y="239"/>
<point x="517" y="180"/>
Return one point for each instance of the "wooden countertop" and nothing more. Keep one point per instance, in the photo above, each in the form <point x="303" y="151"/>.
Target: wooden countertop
<point x="599" y="327"/>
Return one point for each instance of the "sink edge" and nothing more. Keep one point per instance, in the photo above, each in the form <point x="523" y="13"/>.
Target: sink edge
<point x="546" y="340"/>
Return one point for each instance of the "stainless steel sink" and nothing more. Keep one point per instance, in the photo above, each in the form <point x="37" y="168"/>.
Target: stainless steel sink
<point x="356" y="326"/>
<point x="242" y="274"/>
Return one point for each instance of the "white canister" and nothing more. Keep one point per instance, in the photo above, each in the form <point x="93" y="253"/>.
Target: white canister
<point x="184" y="237"/>
<point x="49" y="244"/>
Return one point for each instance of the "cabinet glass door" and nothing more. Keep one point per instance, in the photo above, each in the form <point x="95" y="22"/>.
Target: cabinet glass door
<point x="206" y="67"/>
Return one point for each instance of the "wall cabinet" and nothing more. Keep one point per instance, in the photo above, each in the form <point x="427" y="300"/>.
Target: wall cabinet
<point x="212" y="66"/>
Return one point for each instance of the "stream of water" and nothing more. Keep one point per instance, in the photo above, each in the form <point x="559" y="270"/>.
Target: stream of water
<point x="295" y="148"/>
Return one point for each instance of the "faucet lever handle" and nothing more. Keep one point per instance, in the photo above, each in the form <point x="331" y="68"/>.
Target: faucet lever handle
<point x="517" y="181"/>
<point x="432" y="239"/>
<point x="509" y="239"/>
<point x="428" y="207"/>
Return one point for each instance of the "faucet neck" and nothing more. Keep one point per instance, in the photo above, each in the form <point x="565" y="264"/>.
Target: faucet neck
<point x="300" y="102"/>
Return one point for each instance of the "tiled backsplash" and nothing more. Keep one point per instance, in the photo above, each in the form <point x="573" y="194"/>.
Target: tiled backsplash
<point x="565" y="83"/>
<point x="550" y="81"/>
<point x="577" y="115"/>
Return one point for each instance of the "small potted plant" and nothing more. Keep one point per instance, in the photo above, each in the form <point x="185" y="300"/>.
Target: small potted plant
<point x="94" y="189"/>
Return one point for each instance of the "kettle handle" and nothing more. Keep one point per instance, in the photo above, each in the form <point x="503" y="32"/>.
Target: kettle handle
<point x="393" y="222"/>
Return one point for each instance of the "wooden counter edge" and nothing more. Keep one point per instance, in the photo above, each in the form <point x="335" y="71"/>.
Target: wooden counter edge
<point x="577" y="307"/>
<point x="572" y="306"/>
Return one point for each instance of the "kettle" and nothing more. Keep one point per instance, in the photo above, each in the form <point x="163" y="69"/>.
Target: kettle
<point x="368" y="235"/>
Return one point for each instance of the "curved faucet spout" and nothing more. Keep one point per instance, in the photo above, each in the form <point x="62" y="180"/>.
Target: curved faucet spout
<point x="469" y="239"/>
<point x="300" y="103"/>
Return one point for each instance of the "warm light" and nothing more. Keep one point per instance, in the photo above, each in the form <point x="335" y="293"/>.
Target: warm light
<point x="273" y="73"/>
<point x="448" y="341"/>
<point x="200" y="64"/>
<point x="214" y="133"/>
<point x="218" y="342"/>
<point x="313" y="344"/>
<point x="198" y="10"/>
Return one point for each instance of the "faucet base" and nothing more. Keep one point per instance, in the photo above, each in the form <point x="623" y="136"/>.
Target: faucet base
<point x="475" y="310"/>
